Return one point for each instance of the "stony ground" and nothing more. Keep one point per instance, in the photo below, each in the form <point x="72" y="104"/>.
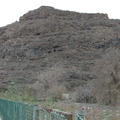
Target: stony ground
<point x="92" y="111"/>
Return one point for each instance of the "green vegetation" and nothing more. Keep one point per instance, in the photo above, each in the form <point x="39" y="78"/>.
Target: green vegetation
<point x="18" y="92"/>
<point x="23" y="93"/>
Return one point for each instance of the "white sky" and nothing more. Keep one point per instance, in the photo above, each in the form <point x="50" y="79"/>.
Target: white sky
<point x="11" y="10"/>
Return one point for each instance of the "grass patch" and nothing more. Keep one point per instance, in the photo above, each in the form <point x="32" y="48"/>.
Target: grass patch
<point x="18" y="92"/>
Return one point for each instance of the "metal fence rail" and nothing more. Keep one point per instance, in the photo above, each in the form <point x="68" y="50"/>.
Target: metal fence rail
<point x="51" y="114"/>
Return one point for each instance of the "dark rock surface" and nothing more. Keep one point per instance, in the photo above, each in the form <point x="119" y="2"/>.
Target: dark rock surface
<point x="48" y="38"/>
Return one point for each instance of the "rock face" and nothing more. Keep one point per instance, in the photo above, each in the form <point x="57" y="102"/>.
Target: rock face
<point x="66" y="43"/>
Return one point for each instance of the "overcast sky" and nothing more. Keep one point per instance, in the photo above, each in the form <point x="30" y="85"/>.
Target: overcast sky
<point x="11" y="10"/>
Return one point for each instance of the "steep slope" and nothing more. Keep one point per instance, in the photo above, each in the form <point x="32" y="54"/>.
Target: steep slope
<point x="49" y="45"/>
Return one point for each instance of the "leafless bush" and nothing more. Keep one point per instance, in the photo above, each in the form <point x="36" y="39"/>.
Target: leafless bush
<point x="107" y="86"/>
<point x="84" y="94"/>
<point x="57" y="90"/>
<point x="38" y="90"/>
<point x="50" y="76"/>
<point x="48" y="84"/>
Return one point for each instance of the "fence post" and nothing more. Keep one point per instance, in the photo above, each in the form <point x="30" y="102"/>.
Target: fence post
<point x="35" y="113"/>
<point x="79" y="115"/>
<point x="69" y="116"/>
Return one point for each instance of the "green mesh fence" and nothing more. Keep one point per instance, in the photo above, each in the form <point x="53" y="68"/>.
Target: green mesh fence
<point x="10" y="110"/>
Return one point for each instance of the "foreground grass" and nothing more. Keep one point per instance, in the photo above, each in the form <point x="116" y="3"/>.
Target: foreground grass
<point x="22" y="94"/>
<point x="17" y="93"/>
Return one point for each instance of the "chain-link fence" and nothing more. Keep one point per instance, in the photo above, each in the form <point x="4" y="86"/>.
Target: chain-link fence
<point x="10" y="110"/>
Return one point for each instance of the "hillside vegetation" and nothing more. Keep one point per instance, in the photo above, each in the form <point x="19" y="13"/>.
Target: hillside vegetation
<point x="51" y="52"/>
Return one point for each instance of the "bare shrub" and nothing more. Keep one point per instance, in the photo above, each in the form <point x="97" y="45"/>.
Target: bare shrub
<point x="51" y="75"/>
<point x="57" y="90"/>
<point x="38" y="90"/>
<point x="107" y="86"/>
<point x="84" y="94"/>
<point x="47" y="83"/>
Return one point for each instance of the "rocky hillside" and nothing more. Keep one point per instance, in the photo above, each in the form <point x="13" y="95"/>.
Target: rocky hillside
<point x="49" y="46"/>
